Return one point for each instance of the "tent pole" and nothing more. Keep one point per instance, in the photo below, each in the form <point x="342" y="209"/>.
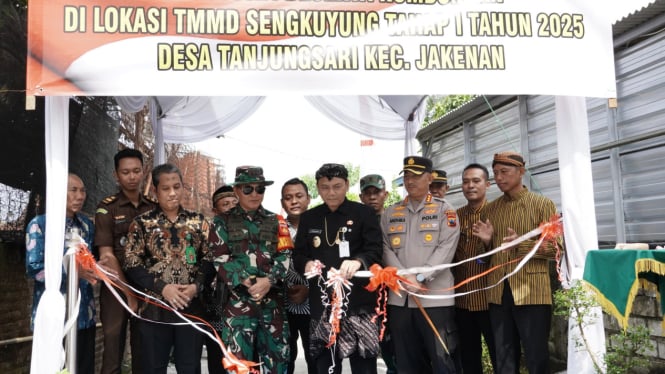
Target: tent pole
<point x="72" y="295"/>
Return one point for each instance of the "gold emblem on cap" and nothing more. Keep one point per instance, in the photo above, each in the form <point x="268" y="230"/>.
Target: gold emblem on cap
<point x="411" y="161"/>
<point x="435" y="174"/>
<point x="316" y="242"/>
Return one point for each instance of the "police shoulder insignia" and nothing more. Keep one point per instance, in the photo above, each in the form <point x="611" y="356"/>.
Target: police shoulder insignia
<point x="101" y="211"/>
<point x="451" y="218"/>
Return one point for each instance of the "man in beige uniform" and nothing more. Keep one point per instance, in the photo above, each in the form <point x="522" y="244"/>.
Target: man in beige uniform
<point x="422" y="231"/>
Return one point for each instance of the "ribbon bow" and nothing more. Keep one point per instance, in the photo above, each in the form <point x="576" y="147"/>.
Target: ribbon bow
<point x="337" y="282"/>
<point x="316" y="270"/>
<point x="552" y="230"/>
<point x="233" y="364"/>
<point x="383" y="279"/>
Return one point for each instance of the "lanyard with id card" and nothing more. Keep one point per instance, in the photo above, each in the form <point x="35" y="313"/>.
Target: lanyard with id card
<point x="344" y="250"/>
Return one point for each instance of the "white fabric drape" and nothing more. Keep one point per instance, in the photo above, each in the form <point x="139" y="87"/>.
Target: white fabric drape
<point x="48" y="354"/>
<point x="413" y="111"/>
<point x="190" y="119"/>
<point x="158" y="133"/>
<point x="579" y="214"/>
<point x="380" y="117"/>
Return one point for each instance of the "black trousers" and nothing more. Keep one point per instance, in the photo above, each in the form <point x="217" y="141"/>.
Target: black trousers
<point x="214" y="356"/>
<point x="299" y="326"/>
<point x="358" y="364"/>
<point x="85" y="350"/>
<point x="114" y="320"/>
<point x="528" y="325"/>
<point x="159" y="339"/>
<point x="471" y="326"/>
<point x="417" y="349"/>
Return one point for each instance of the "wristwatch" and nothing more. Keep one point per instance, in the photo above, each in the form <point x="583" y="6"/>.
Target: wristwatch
<point x="420" y="278"/>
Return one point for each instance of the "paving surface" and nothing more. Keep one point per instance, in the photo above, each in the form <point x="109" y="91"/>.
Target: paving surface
<point x="301" y="366"/>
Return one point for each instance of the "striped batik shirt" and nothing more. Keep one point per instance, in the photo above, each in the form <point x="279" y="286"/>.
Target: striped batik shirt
<point x="292" y="279"/>
<point x="523" y="213"/>
<point x="467" y="247"/>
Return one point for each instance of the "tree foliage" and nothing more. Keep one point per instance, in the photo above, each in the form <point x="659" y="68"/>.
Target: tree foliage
<point x="354" y="177"/>
<point x="311" y="185"/>
<point x="626" y="349"/>
<point x="393" y="196"/>
<point x="439" y="105"/>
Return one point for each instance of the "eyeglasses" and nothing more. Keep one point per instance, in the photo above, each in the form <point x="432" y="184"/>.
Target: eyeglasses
<point x="332" y="171"/>
<point x="247" y="189"/>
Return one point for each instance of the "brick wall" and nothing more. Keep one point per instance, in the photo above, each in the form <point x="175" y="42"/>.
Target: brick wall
<point x="646" y="312"/>
<point x="14" y="310"/>
<point x="202" y="176"/>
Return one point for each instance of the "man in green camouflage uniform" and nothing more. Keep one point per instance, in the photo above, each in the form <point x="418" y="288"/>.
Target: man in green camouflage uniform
<point x="251" y="247"/>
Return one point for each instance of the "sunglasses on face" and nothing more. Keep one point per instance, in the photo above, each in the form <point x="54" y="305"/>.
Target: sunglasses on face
<point x="247" y="189"/>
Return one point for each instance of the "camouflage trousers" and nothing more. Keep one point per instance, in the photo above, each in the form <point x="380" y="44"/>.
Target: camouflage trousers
<point x="257" y="331"/>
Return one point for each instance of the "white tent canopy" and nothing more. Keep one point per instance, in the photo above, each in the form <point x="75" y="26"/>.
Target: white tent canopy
<point x="392" y="59"/>
<point x="190" y="119"/>
<point x="177" y="116"/>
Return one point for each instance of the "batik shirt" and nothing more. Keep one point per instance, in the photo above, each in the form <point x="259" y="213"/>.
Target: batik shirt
<point x="160" y="252"/>
<point x="467" y="247"/>
<point x="292" y="279"/>
<point x="522" y="213"/>
<point x="34" y="265"/>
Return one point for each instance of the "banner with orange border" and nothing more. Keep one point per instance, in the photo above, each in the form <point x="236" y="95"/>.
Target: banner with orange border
<point x="261" y="47"/>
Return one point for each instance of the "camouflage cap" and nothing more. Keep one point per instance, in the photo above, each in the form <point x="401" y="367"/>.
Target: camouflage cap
<point x="417" y="165"/>
<point x="439" y="176"/>
<point x="250" y="174"/>
<point x="372" y="180"/>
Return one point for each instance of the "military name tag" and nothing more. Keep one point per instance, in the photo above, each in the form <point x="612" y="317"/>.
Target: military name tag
<point x="344" y="249"/>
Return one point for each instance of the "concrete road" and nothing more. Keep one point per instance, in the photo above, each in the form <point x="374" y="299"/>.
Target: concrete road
<point x="301" y="365"/>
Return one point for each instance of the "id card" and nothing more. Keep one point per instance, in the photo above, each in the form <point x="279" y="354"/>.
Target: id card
<point x="344" y="249"/>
